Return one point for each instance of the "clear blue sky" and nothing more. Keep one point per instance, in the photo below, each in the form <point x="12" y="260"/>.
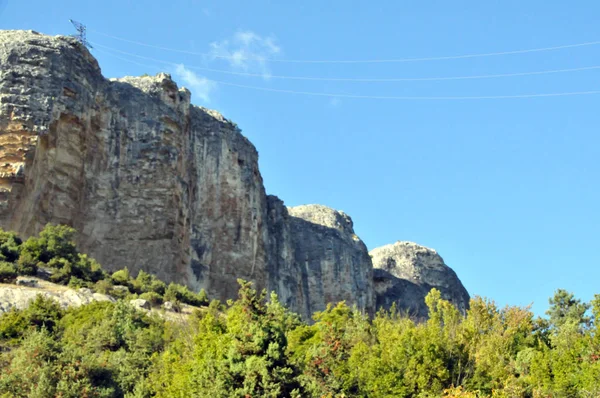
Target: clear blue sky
<point x="505" y="189"/>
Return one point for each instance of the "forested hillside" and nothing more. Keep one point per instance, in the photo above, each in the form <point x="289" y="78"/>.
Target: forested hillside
<point x="254" y="347"/>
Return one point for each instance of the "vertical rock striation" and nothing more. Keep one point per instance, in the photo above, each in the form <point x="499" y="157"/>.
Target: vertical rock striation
<point x="155" y="183"/>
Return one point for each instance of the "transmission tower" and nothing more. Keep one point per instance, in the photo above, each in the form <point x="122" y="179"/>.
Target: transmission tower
<point x="81" y="33"/>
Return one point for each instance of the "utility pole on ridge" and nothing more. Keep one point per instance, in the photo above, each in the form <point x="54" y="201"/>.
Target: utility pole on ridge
<point x="81" y="33"/>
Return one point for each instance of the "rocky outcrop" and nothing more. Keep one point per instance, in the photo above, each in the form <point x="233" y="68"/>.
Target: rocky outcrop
<point x="152" y="182"/>
<point x="19" y="296"/>
<point x="405" y="272"/>
<point x="335" y="261"/>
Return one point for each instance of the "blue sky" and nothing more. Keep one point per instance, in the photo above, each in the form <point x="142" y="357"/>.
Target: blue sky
<point x="505" y="189"/>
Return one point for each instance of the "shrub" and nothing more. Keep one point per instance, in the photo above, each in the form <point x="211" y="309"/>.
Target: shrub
<point x="8" y="271"/>
<point x="103" y="286"/>
<point x="54" y="241"/>
<point x="12" y="324"/>
<point x="63" y="272"/>
<point x="202" y="297"/>
<point x="88" y="269"/>
<point x="158" y="286"/>
<point x="9" y="246"/>
<point x="27" y="264"/>
<point x="121" y="277"/>
<point x="153" y="298"/>
<point x="76" y="283"/>
<point x="145" y="282"/>
<point x="177" y="292"/>
<point x="119" y="293"/>
<point x="42" y="313"/>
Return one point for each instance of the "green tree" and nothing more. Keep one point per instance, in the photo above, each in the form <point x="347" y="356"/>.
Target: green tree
<point x="9" y="246"/>
<point x="564" y="308"/>
<point x="8" y="271"/>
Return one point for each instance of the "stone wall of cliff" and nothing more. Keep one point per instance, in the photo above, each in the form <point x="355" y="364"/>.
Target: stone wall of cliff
<point x="405" y="272"/>
<point x="155" y="183"/>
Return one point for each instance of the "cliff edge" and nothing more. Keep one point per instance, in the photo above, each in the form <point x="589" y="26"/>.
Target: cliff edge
<point x="153" y="182"/>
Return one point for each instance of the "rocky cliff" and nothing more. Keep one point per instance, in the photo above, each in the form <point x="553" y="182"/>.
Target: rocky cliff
<point x="405" y="272"/>
<point x="153" y="182"/>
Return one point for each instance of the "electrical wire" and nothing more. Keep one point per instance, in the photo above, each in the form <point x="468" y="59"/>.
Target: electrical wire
<point x="367" y="80"/>
<point x="372" y="61"/>
<point x="379" y="97"/>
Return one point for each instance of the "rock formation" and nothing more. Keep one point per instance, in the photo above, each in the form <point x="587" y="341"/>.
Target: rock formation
<point x="404" y="272"/>
<point x="153" y="182"/>
<point x="27" y="289"/>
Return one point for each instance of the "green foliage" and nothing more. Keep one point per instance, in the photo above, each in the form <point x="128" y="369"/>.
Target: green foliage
<point x="8" y="272"/>
<point x="42" y="313"/>
<point x="179" y="293"/>
<point x="254" y="347"/>
<point x="239" y="354"/>
<point x="103" y="286"/>
<point x="98" y="350"/>
<point x="153" y="298"/>
<point x="121" y="277"/>
<point x="564" y="308"/>
<point x="27" y="264"/>
<point x="147" y="283"/>
<point x="54" y="241"/>
<point x="9" y="246"/>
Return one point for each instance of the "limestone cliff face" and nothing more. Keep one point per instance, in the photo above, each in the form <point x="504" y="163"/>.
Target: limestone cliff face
<point x="155" y="183"/>
<point x="335" y="260"/>
<point x="405" y="272"/>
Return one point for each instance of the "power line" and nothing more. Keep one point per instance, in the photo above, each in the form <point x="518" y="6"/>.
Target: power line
<point x="370" y="61"/>
<point x="369" y="80"/>
<point x="356" y="96"/>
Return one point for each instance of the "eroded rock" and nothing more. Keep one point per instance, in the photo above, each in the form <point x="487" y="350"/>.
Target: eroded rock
<point x="405" y="272"/>
<point x="153" y="182"/>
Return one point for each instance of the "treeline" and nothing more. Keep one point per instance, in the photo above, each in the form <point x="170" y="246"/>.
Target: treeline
<point x="254" y="347"/>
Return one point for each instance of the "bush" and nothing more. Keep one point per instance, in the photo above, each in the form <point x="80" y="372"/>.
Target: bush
<point x="88" y="269"/>
<point x="146" y="282"/>
<point x="53" y="241"/>
<point x="8" y="271"/>
<point x="203" y="298"/>
<point x="153" y="298"/>
<point x="84" y="268"/>
<point x="12" y="324"/>
<point x="176" y="292"/>
<point x="42" y="313"/>
<point x="103" y="286"/>
<point x="76" y="283"/>
<point x="9" y="246"/>
<point x="63" y="272"/>
<point x="121" y="277"/>
<point x="158" y="286"/>
<point x="27" y="264"/>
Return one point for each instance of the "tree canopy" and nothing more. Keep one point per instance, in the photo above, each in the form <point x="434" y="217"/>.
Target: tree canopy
<point x="254" y="347"/>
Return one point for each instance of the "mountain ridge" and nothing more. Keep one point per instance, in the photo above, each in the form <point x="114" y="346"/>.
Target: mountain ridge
<point x="155" y="183"/>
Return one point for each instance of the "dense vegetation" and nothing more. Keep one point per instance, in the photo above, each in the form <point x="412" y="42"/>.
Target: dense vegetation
<point x="254" y="347"/>
<point x="54" y="256"/>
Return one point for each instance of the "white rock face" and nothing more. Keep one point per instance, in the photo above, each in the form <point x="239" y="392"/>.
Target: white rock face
<point x="140" y="304"/>
<point x="405" y="272"/>
<point x="152" y="182"/>
<point x="19" y="297"/>
<point x="334" y="261"/>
